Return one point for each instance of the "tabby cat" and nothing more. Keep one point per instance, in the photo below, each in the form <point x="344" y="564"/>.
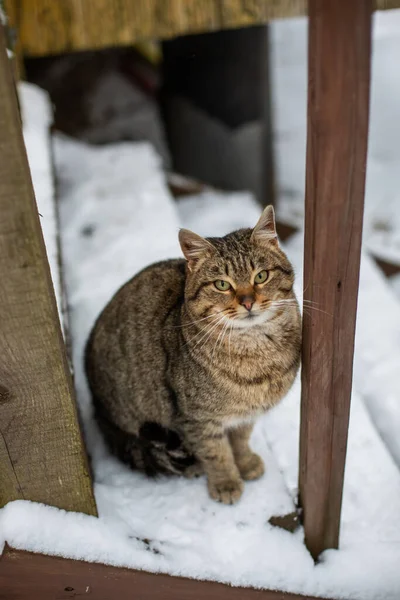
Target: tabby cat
<point x="188" y="354"/>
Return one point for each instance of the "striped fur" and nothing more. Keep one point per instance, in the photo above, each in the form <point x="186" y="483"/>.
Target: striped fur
<point x="180" y="370"/>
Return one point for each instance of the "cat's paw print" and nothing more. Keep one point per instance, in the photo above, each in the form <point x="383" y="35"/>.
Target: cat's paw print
<point x="252" y="467"/>
<point x="227" y="491"/>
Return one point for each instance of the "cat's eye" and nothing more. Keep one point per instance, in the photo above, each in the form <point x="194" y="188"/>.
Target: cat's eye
<point x="261" y="277"/>
<point x="222" y="286"/>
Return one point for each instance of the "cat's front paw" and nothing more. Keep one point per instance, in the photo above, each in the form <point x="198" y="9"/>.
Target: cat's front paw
<point x="227" y="491"/>
<point x="251" y="467"/>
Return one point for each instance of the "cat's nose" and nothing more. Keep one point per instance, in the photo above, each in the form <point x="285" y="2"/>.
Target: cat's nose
<point x="247" y="303"/>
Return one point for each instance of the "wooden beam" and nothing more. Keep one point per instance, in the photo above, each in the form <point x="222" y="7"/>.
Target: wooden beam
<point x="338" y="107"/>
<point x="47" y="27"/>
<point x="26" y="576"/>
<point x="42" y="456"/>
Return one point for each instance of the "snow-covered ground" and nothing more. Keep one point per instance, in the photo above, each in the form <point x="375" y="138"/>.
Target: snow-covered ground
<point x="117" y="216"/>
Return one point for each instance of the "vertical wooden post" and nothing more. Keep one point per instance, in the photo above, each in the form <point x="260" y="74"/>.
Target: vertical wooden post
<point x="41" y="452"/>
<point x="338" y="110"/>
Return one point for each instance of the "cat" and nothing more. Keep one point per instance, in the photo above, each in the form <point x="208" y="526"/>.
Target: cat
<point x="189" y="353"/>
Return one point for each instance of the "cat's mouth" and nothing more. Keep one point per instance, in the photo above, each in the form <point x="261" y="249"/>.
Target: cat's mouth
<point x="250" y="315"/>
<point x="253" y="314"/>
<point x="246" y="320"/>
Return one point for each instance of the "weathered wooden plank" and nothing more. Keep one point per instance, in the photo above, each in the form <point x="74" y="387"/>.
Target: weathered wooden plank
<point x="48" y="27"/>
<point x="242" y="13"/>
<point x="338" y="106"/>
<point x="41" y="452"/>
<point x="26" y="576"/>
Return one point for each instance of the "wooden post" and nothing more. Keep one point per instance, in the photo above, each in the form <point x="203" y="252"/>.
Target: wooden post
<point x="42" y="457"/>
<point x="338" y="107"/>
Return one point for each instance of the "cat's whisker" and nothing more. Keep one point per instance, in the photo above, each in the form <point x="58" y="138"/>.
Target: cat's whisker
<point x="311" y="302"/>
<point x="229" y="339"/>
<point x="191" y="323"/>
<point x="303" y="300"/>
<point x="285" y="301"/>
<point x="206" y="337"/>
<point x="306" y="288"/>
<point x="209" y="328"/>
<point x="209" y="332"/>
<point x="205" y="342"/>
<point x="221" y="333"/>
<point x="282" y="303"/>
<point x="306" y="314"/>
<point x="204" y="329"/>
<point x="224" y="333"/>
<point x="318" y="310"/>
<point x="290" y="302"/>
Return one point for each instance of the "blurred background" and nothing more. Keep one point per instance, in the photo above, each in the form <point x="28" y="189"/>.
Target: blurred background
<point x="224" y="104"/>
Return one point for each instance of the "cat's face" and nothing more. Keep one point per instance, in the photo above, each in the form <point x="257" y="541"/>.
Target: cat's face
<point x="243" y="278"/>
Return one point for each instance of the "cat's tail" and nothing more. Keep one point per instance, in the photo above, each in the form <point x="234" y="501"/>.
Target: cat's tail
<point x="155" y="450"/>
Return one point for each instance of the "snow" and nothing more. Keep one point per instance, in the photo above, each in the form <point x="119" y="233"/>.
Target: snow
<point x="376" y="373"/>
<point x="195" y="212"/>
<point x="395" y="284"/>
<point x="37" y="118"/>
<point x="117" y="216"/>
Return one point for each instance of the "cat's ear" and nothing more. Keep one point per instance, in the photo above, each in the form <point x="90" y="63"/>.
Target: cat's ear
<point x="265" y="230"/>
<point x="194" y="247"/>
